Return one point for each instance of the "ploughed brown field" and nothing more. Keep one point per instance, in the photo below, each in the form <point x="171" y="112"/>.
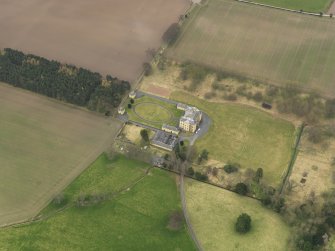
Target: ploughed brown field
<point x="108" y="36"/>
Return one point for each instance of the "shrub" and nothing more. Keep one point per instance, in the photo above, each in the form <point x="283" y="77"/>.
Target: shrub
<point x="190" y="171"/>
<point x="231" y="168"/>
<point x="331" y="221"/>
<point x="129" y="106"/>
<point x="200" y="176"/>
<point x="243" y="223"/>
<point x="132" y="101"/>
<point x="330" y="108"/>
<point x="258" y="174"/>
<point x="271" y="91"/>
<point x="241" y="188"/>
<point x="230" y="97"/>
<point x="147" y="69"/>
<point x="59" y="200"/>
<point x="209" y="95"/>
<point x="171" y="34"/>
<point x="144" y="135"/>
<point x="258" y="96"/>
<point x="315" y="134"/>
<point x="176" y="220"/>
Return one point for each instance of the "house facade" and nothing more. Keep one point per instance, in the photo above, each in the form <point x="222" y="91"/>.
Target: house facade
<point x="190" y="121"/>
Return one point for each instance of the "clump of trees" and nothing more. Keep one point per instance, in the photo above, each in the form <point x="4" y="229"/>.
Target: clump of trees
<point x="59" y="200"/>
<point x="145" y="135"/>
<point x="195" y="73"/>
<point x="203" y="156"/>
<point x="171" y="34"/>
<point x="68" y="83"/>
<point x="243" y="223"/>
<point x="241" y="188"/>
<point x="201" y="176"/>
<point x="231" y="167"/>
<point x="147" y="69"/>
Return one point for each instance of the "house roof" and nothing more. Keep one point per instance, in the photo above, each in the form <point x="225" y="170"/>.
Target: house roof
<point x="192" y="115"/>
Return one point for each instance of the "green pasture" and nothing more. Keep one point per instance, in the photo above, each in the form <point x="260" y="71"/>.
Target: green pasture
<point x="245" y="135"/>
<point x="306" y="5"/>
<point x="268" y="45"/>
<point x="154" y="112"/>
<point x="213" y="213"/>
<point x="134" y="217"/>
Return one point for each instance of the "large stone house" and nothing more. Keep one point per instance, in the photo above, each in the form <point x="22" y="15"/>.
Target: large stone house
<point x="190" y="121"/>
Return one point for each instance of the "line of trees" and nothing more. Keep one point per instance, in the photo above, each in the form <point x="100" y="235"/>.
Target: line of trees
<point x="61" y="81"/>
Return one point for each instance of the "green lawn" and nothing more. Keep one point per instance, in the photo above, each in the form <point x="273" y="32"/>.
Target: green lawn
<point x="213" y="212"/>
<point x="133" y="219"/>
<point x="306" y="5"/>
<point x="245" y="135"/>
<point x="271" y="46"/>
<point x="154" y="112"/>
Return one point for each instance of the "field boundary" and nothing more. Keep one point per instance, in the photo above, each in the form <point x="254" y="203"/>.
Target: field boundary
<point x="110" y="197"/>
<point x="293" y="158"/>
<point x="285" y="9"/>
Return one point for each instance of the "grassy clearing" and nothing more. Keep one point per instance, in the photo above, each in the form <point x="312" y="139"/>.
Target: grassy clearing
<point x="44" y="145"/>
<point x="154" y="112"/>
<point x="213" y="212"/>
<point x="306" y="5"/>
<point x="135" y="219"/>
<point x="269" y="45"/>
<point x="246" y="136"/>
<point x="314" y="167"/>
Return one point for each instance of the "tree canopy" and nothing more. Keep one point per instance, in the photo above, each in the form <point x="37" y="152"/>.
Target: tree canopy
<point x="243" y="223"/>
<point x="65" y="82"/>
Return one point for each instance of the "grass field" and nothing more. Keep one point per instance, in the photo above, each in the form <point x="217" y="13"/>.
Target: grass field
<point x="154" y="112"/>
<point x="134" y="219"/>
<point x="245" y="135"/>
<point x="269" y="45"/>
<point x="306" y="5"/>
<point x="44" y="145"/>
<point x="213" y="212"/>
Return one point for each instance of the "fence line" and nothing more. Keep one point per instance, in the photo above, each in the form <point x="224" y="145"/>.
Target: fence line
<point x="285" y="9"/>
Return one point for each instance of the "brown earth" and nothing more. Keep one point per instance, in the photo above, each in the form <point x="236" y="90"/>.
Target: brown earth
<point x="108" y="36"/>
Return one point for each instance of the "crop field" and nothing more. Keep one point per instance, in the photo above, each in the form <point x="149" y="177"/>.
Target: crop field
<point x="213" y="212"/>
<point x="135" y="217"/>
<point x="154" y="112"/>
<point x="268" y="45"/>
<point x="245" y="135"/>
<point x="44" y="145"/>
<point x="110" y="37"/>
<point x="306" y="5"/>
